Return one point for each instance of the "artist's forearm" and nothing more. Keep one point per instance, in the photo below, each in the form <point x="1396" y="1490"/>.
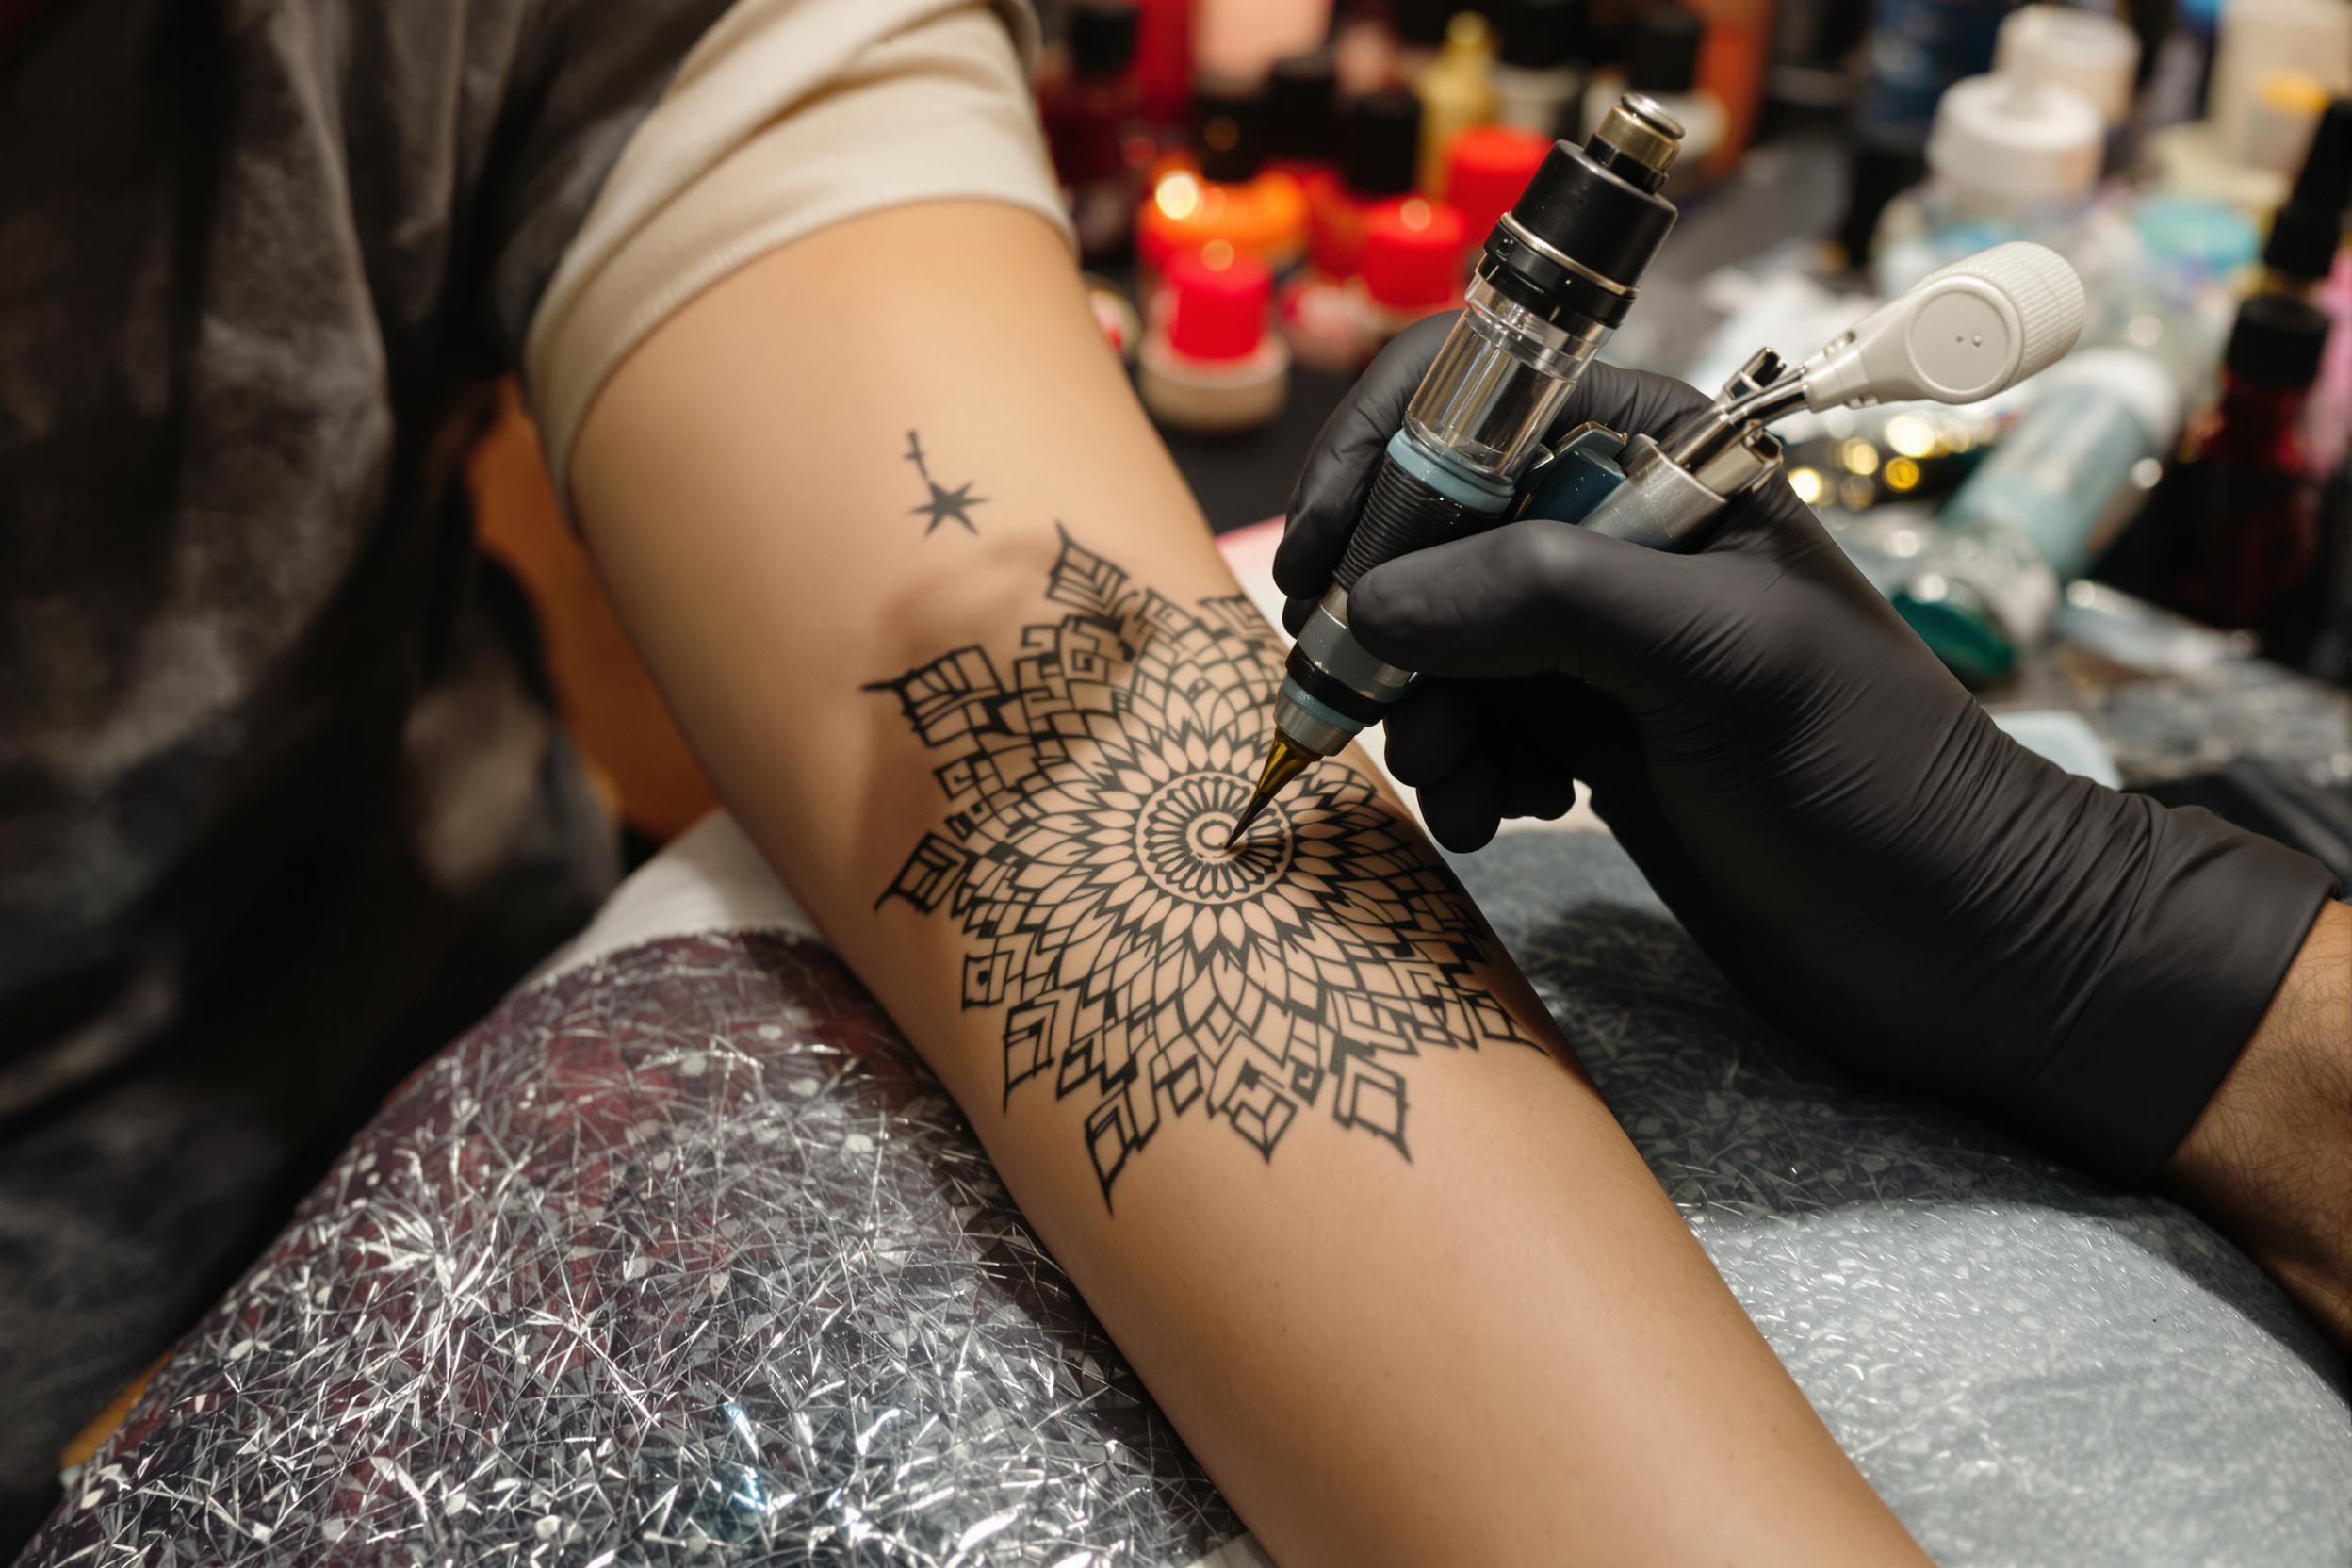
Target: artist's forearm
<point x="2270" y="1160"/>
<point x="1288" y="1119"/>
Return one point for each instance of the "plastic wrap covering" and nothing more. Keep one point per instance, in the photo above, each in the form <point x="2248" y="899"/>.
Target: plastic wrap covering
<point x="681" y="1258"/>
<point x="2174" y="725"/>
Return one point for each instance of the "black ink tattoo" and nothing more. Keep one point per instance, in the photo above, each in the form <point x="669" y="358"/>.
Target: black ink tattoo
<point x="944" y="504"/>
<point x="1139" y="963"/>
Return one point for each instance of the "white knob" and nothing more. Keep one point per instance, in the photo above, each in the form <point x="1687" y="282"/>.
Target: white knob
<point x="1965" y="331"/>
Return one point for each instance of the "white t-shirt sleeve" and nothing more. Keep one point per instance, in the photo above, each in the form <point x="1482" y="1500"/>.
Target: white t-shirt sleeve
<point x="787" y="116"/>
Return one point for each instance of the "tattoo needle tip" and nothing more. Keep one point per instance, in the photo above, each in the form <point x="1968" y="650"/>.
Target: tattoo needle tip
<point x="1287" y="762"/>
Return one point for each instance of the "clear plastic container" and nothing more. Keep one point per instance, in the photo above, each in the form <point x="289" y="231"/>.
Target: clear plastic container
<point x="1498" y="379"/>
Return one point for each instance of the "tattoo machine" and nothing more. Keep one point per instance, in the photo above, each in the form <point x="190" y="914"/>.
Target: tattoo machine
<point x="1555" y="276"/>
<point x="1965" y="331"/>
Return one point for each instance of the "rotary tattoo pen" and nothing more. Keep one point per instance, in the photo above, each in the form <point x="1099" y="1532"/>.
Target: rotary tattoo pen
<point x="1555" y="276"/>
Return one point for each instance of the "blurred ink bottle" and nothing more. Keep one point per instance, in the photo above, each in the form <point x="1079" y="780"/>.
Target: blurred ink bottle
<point x="1915" y="49"/>
<point x="1302" y="119"/>
<point x="2307" y="231"/>
<point x="1208" y="363"/>
<point x="1092" y="107"/>
<point x="1456" y="93"/>
<point x="2011" y="157"/>
<point x="1379" y="151"/>
<point x="1324" y="316"/>
<point x="1412" y="263"/>
<point x="1224" y="191"/>
<point x="1734" y="60"/>
<point x="1420" y="29"/>
<point x="2073" y="471"/>
<point x="1535" y="76"/>
<point x="2239" y="515"/>
<point x="2094" y="56"/>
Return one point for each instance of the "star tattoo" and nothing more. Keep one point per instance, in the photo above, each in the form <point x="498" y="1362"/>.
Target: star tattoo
<point x="944" y="504"/>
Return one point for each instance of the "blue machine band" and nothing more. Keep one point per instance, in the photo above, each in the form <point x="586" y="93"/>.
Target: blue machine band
<point x="1478" y="493"/>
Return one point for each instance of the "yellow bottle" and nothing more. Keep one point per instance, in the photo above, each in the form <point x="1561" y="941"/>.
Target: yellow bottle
<point x="1456" y="92"/>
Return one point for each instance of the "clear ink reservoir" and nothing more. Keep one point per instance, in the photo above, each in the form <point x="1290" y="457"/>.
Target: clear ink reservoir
<point x="1497" y="382"/>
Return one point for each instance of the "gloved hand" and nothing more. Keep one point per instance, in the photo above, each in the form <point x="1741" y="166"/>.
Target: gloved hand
<point x="1868" y="858"/>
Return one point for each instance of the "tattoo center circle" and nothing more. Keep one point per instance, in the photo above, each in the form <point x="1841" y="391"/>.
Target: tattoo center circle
<point x="1137" y="964"/>
<point x="1179" y="840"/>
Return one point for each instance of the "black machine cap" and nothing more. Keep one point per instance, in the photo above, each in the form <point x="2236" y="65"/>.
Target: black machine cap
<point x="2277" y="341"/>
<point x="1302" y="105"/>
<point x="1102" y="36"/>
<point x="2307" y="231"/>
<point x="1579" y="208"/>
<point x="1382" y="150"/>
<point x="1662" y="53"/>
<point x="1541" y="35"/>
<point x="1227" y="133"/>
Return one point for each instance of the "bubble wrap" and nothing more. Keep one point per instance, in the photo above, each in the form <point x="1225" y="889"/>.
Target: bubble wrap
<point x="681" y="1258"/>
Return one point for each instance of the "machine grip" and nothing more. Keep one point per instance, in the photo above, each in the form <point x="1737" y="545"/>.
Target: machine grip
<point x="1401" y="515"/>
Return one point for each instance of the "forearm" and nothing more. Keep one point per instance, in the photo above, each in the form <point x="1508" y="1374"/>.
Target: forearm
<point x="1313" y="1156"/>
<point x="2270" y="1160"/>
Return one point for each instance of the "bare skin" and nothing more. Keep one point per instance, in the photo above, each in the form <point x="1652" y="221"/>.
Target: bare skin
<point x="1307" y="1143"/>
<point x="2270" y="1160"/>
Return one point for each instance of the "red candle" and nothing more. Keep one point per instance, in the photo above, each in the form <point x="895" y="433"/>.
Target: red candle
<point x="1216" y="302"/>
<point x="1412" y="254"/>
<point x="1486" y="169"/>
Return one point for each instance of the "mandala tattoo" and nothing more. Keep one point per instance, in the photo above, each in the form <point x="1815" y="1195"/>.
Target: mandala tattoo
<point x="1140" y="964"/>
<point x="944" y="504"/>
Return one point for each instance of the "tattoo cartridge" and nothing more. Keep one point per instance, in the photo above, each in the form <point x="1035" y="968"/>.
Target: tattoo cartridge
<point x="1965" y="331"/>
<point x="1555" y="276"/>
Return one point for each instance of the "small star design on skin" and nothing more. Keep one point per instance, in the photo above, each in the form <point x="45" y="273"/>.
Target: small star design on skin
<point x="944" y="504"/>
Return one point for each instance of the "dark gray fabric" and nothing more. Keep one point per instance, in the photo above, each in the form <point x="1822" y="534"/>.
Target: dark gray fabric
<point x="255" y="256"/>
<point x="264" y="768"/>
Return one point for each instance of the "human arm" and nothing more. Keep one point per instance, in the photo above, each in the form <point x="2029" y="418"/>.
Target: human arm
<point x="1856" y="844"/>
<point x="1409" y="1294"/>
<point x="2269" y="1159"/>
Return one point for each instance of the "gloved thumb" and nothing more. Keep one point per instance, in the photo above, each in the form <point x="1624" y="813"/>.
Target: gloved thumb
<point x="1529" y="597"/>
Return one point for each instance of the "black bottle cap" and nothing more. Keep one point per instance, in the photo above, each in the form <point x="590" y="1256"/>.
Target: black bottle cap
<point x="1662" y="56"/>
<point x="1421" y="24"/>
<point x="1877" y="172"/>
<point x="1102" y="36"/>
<point x="1541" y="35"/>
<point x="2307" y="231"/>
<point x="2277" y="341"/>
<point x="1227" y="133"/>
<point x="1382" y="151"/>
<point x="1301" y="101"/>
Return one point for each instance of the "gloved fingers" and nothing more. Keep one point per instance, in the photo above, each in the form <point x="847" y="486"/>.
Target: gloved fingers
<point x="1771" y="520"/>
<point x="1431" y="732"/>
<point x="1634" y="403"/>
<point x="1346" y="452"/>
<point x="1463" y="809"/>
<point x="1295" y="613"/>
<point x="1538" y="792"/>
<point x="1530" y="596"/>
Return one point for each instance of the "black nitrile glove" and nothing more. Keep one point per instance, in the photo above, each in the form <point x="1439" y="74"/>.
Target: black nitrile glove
<point x="1857" y="846"/>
